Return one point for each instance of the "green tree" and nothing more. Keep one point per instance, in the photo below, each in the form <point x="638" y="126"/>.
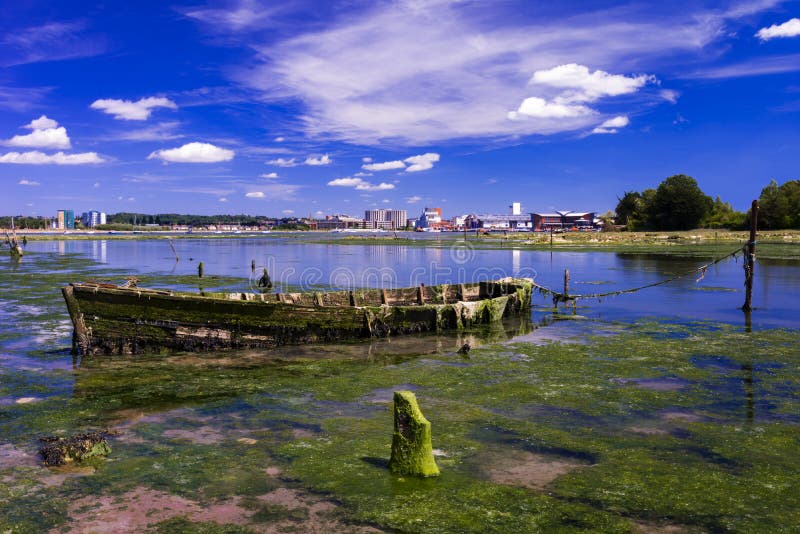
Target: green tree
<point x="629" y="208"/>
<point x="779" y="206"/>
<point x="678" y="204"/>
<point x="722" y="215"/>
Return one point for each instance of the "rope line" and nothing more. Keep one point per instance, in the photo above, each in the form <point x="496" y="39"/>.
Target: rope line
<point x="561" y="297"/>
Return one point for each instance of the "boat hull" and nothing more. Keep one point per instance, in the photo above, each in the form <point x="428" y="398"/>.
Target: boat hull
<point x="116" y="320"/>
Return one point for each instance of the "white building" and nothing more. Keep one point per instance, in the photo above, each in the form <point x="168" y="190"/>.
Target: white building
<point x="388" y="219"/>
<point x="93" y="218"/>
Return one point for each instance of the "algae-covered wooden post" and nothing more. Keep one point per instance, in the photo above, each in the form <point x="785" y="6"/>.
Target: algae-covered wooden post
<point x="750" y="259"/>
<point x="412" y="452"/>
<point x="200" y="270"/>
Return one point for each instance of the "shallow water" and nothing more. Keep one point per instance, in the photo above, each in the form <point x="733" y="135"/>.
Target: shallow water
<point x="658" y="409"/>
<point x="295" y="264"/>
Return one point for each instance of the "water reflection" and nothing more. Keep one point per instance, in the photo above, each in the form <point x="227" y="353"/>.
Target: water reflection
<point x="296" y="264"/>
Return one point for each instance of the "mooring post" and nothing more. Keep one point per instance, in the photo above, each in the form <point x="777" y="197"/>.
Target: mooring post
<point x="551" y="237"/>
<point x="412" y="451"/>
<point x="173" y="249"/>
<point x="253" y="266"/>
<point x="200" y="270"/>
<point x="566" y="285"/>
<point x="750" y="259"/>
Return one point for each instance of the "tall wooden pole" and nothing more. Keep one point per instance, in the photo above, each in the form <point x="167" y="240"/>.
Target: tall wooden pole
<point x="750" y="260"/>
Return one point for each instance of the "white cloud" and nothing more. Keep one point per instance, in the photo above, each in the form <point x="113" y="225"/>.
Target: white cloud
<point x="385" y="166"/>
<point x="288" y="212"/>
<point x="586" y="86"/>
<point x="194" y="153"/>
<point x="669" y="95"/>
<point x="279" y="139"/>
<point x="322" y="160"/>
<point x="610" y="126"/>
<point x="222" y="199"/>
<point x="422" y="162"/>
<point x="42" y="123"/>
<point x="360" y="184"/>
<point x="48" y="138"/>
<point x="540" y="108"/>
<point x="790" y="28"/>
<point x="59" y="158"/>
<point x="281" y="162"/>
<point x="459" y="77"/>
<point x="255" y="194"/>
<point x="28" y="182"/>
<point x="270" y="175"/>
<point x="366" y="159"/>
<point x="130" y="110"/>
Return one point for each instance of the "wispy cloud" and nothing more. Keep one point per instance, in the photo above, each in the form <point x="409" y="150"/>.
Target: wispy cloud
<point x="274" y="191"/>
<point x="360" y="184"/>
<point x="236" y="15"/>
<point x="59" y="158"/>
<point x="385" y="166"/>
<point x="32" y="183"/>
<point x="50" y="42"/>
<point x="283" y="162"/>
<point x="163" y="131"/>
<point x="611" y="126"/>
<point x="754" y="67"/>
<point x="132" y="111"/>
<point x="319" y="160"/>
<point x="458" y="78"/>
<point x="21" y="98"/>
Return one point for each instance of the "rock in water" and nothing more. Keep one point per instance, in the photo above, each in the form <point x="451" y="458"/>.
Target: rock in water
<point x="465" y="348"/>
<point x="412" y="452"/>
<point x="58" y="451"/>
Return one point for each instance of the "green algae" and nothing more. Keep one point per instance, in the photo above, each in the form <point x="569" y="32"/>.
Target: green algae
<point x="412" y="453"/>
<point x="718" y="453"/>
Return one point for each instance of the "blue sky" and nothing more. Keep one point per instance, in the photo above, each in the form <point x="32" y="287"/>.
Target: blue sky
<point x="298" y="108"/>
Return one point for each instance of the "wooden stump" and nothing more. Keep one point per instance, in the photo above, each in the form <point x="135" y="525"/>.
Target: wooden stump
<point x="412" y="453"/>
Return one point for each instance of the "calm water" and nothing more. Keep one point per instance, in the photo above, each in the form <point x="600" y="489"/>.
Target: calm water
<point x="295" y="265"/>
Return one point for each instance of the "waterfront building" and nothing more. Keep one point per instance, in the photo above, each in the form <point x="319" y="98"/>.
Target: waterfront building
<point x="430" y="218"/>
<point x="65" y="220"/>
<point x="387" y="219"/>
<point x="563" y="221"/>
<point x="91" y="219"/>
<point x="339" y="222"/>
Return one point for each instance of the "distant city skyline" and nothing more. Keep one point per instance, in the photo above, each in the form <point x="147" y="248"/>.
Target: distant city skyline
<point x="320" y="108"/>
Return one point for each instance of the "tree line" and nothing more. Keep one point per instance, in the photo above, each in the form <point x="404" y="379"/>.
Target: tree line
<point x="177" y="219"/>
<point x="678" y="203"/>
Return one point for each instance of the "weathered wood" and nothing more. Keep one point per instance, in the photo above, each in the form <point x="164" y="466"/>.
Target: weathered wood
<point x="412" y="451"/>
<point x="750" y="260"/>
<point x="113" y="319"/>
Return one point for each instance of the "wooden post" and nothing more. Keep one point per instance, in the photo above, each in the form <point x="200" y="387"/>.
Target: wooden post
<point x="173" y="249"/>
<point x="566" y="284"/>
<point x="750" y="259"/>
<point x="551" y="237"/>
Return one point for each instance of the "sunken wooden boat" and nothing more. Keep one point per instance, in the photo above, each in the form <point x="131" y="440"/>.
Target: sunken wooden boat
<point x="111" y="319"/>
